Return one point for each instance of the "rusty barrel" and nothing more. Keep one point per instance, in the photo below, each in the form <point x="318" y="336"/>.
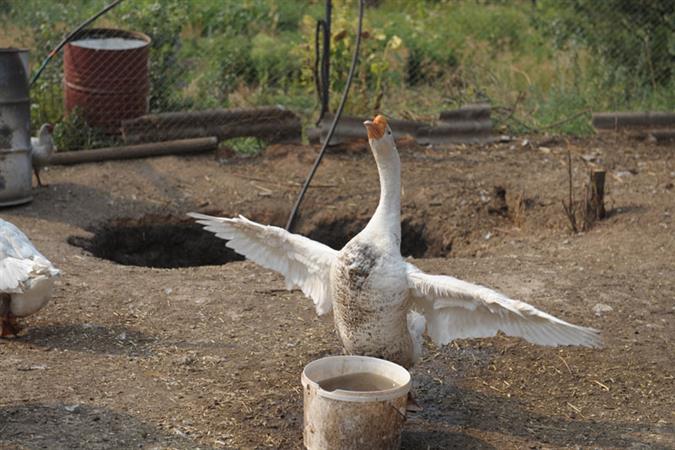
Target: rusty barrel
<point x="106" y="76"/>
<point x="15" y="163"/>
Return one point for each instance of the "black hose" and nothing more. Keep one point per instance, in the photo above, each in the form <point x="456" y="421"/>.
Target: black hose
<point x="320" y="27"/>
<point x="338" y="113"/>
<point x="67" y="39"/>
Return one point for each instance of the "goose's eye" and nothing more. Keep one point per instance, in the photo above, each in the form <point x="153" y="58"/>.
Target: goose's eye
<point x="389" y="132"/>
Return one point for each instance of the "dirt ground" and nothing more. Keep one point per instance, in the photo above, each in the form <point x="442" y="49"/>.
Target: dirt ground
<point x="127" y="356"/>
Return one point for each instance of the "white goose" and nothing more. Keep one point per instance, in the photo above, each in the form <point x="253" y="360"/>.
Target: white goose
<point x="26" y="278"/>
<point x="382" y="304"/>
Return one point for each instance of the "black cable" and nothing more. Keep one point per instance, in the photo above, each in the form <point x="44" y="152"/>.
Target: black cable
<point x="338" y="113"/>
<point x="68" y="38"/>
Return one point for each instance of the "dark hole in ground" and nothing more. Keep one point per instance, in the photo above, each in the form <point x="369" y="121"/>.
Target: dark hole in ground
<point x="156" y="241"/>
<point x="415" y="241"/>
<point x="336" y="233"/>
<point x="172" y="241"/>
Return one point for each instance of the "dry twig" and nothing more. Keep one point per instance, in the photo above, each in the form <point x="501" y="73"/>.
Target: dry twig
<point x="570" y="208"/>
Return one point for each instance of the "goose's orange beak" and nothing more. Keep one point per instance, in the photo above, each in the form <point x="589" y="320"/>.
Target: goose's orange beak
<point x="376" y="127"/>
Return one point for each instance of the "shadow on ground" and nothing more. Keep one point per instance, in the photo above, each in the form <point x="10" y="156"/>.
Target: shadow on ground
<point x="432" y="440"/>
<point x="62" y="426"/>
<point x="88" y="337"/>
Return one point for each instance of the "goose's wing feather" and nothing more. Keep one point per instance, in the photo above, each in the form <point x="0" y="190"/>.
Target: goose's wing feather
<point x="19" y="260"/>
<point x="456" y="309"/>
<point x="303" y="262"/>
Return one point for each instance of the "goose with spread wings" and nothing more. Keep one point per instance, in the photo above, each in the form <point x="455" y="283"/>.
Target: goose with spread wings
<point x="382" y="305"/>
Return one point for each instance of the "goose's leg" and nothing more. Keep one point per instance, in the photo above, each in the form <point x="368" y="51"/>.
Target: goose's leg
<point x="8" y="325"/>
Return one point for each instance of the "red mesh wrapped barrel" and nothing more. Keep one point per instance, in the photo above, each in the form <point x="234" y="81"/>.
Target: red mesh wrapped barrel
<point x="106" y="76"/>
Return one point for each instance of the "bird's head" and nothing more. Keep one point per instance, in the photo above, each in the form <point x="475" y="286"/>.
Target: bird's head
<point x="379" y="135"/>
<point x="46" y="128"/>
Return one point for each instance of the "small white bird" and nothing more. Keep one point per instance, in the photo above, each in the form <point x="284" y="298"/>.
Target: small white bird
<point x="26" y="278"/>
<point x="382" y="304"/>
<point x="42" y="148"/>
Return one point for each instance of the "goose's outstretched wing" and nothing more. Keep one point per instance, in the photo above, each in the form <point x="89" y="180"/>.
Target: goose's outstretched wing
<point x="303" y="262"/>
<point x="456" y="309"/>
<point x="19" y="260"/>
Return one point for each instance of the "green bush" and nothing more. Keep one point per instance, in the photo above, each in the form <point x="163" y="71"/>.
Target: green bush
<point x="635" y="39"/>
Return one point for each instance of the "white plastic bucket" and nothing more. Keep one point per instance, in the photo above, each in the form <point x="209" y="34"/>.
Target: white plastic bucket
<point x="348" y="419"/>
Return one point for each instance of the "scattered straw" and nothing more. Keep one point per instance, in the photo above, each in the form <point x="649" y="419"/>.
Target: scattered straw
<point x="566" y="365"/>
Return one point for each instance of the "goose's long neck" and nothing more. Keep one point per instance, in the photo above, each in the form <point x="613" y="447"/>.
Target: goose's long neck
<point x="387" y="217"/>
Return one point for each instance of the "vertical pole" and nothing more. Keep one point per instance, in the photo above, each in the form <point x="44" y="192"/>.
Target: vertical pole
<point x="596" y="204"/>
<point x="325" y="60"/>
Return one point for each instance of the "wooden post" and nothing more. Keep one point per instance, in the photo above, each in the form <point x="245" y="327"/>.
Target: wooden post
<point x="595" y="197"/>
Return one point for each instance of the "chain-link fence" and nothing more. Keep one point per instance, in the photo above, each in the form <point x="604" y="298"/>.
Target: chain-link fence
<point x="180" y="67"/>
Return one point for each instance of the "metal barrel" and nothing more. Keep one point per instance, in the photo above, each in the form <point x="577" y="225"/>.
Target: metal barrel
<point x="106" y="76"/>
<point x="15" y="162"/>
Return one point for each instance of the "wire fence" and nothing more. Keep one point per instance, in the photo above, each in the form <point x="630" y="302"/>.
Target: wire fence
<point x="175" y="69"/>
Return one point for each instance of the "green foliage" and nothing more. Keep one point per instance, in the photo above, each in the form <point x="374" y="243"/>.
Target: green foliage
<point x="274" y="55"/>
<point x="246" y="145"/>
<point x="544" y="62"/>
<point x="635" y="39"/>
<point x="73" y="133"/>
<point x="163" y="22"/>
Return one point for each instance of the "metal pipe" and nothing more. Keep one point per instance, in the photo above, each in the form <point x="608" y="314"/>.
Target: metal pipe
<point x="178" y="147"/>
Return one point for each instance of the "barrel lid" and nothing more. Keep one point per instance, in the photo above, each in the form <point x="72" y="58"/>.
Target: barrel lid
<point x="109" y="39"/>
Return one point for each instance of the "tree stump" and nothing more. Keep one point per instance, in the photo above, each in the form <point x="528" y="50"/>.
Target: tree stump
<point x="595" y="198"/>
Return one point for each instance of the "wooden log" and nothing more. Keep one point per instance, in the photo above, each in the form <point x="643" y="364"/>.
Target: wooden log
<point x="463" y="131"/>
<point x="351" y="128"/>
<point x="478" y="111"/>
<point x="212" y="116"/>
<point x="289" y="130"/>
<point x="466" y="132"/>
<point x="179" y="147"/>
<point x="659" y="135"/>
<point x="275" y="124"/>
<point x="665" y="135"/>
<point x="616" y="120"/>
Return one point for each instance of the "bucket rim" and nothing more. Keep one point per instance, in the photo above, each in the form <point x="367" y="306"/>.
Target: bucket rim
<point x="110" y="33"/>
<point x="358" y="396"/>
